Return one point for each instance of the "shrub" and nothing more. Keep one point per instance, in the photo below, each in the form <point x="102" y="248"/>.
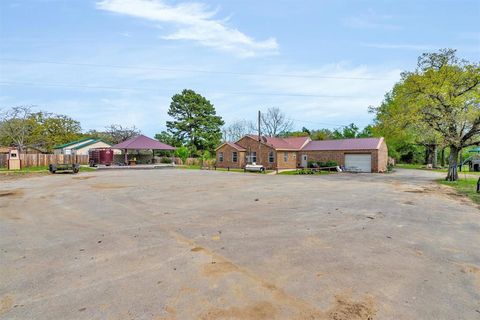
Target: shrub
<point x="182" y="153"/>
<point x="331" y="164"/>
<point x="165" y="160"/>
<point x="312" y="164"/>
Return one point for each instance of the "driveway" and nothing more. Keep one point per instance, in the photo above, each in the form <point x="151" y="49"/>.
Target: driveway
<point x="188" y="244"/>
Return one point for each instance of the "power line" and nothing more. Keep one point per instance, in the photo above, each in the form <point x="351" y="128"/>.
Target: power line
<point x="286" y="75"/>
<point x="318" y="123"/>
<point x="61" y="85"/>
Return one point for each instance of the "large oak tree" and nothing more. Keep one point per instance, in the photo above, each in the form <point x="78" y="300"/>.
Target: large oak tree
<point x="438" y="101"/>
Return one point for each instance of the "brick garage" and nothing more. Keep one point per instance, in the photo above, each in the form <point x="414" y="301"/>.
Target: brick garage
<point x="342" y="150"/>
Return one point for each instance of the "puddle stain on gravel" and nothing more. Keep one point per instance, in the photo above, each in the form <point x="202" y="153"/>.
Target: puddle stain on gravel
<point x="216" y="269"/>
<point x="83" y="178"/>
<point x="472" y="270"/>
<point x="11" y="193"/>
<point x="259" y="311"/>
<point x="108" y="186"/>
<point x="6" y="303"/>
<point x="343" y="308"/>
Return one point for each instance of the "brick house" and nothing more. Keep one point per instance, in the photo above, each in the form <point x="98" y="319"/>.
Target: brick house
<point x="363" y="154"/>
<point x="271" y="152"/>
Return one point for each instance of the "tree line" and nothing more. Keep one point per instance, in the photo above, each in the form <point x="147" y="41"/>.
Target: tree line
<point x="436" y="106"/>
<point x="432" y="110"/>
<point x="25" y="128"/>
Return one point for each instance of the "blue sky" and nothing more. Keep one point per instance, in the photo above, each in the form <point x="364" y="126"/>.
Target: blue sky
<point x="120" y="61"/>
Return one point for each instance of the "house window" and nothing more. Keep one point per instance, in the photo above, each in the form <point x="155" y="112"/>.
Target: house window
<point x="220" y="156"/>
<point x="252" y="157"/>
<point x="285" y="156"/>
<point x="234" y="156"/>
<point x="271" y="157"/>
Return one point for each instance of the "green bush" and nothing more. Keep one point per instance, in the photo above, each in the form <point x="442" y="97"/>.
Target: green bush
<point x="165" y="160"/>
<point x="182" y="153"/>
<point x="331" y="164"/>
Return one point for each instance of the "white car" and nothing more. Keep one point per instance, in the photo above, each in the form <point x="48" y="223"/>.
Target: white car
<point x="254" y="167"/>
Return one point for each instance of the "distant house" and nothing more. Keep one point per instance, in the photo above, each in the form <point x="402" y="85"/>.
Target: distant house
<point x="81" y="147"/>
<point x="362" y="154"/>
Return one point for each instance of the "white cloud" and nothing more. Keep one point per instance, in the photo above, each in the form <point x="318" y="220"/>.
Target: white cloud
<point x="193" y="22"/>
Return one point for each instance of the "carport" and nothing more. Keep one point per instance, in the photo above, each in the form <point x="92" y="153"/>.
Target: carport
<point x="142" y="142"/>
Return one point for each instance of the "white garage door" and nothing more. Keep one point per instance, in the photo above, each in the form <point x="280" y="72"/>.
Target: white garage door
<point x="360" y="162"/>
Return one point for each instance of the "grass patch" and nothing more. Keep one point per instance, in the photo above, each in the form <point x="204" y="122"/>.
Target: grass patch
<point x="467" y="187"/>
<point x="188" y="167"/>
<point x="41" y="169"/>
<point x="305" y="172"/>
<point x="194" y="167"/>
<point x="231" y="169"/>
<point x="87" y="169"/>
<point x="424" y="167"/>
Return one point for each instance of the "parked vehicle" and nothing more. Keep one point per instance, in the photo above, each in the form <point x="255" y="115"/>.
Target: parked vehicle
<point x="64" y="167"/>
<point x="100" y="156"/>
<point x="254" y="167"/>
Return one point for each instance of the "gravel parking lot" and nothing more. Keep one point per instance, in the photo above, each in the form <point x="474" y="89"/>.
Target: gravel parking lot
<point x="189" y="244"/>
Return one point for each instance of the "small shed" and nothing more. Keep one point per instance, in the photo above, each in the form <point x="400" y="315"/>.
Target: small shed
<point x="142" y="142"/>
<point x="81" y="147"/>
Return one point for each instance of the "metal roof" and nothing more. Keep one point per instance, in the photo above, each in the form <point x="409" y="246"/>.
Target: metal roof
<point x="89" y="143"/>
<point x="290" y="143"/>
<point x="72" y="143"/>
<point x="142" y="142"/>
<point x="344" y="144"/>
<point x="233" y="145"/>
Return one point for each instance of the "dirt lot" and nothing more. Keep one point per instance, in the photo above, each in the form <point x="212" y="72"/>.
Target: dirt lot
<point x="186" y="244"/>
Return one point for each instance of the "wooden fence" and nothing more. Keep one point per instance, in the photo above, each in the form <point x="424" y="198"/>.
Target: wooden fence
<point x="40" y="160"/>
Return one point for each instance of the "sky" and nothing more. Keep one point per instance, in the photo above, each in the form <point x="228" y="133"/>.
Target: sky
<point x="323" y="63"/>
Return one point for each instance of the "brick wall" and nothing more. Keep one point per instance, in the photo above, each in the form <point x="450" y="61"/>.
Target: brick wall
<point x="228" y="159"/>
<point x="291" y="162"/>
<point x="379" y="157"/>
<point x="324" y="156"/>
<point x="383" y="157"/>
<point x="262" y="151"/>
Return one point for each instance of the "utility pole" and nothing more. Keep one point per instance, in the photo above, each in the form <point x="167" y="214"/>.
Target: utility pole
<point x="259" y="137"/>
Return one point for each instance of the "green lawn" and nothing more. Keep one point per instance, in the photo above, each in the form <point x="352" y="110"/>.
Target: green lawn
<point x="298" y="172"/>
<point x="192" y="167"/>
<point x="41" y="169"/>
<point x="423" y="167"/>
<point x="466" y="187"/>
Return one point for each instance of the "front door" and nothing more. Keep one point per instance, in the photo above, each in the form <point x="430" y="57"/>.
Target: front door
<point x="304" y="160"/>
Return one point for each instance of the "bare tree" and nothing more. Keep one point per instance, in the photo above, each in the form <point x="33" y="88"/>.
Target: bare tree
<point x="119" y="133"/>
<point x="15" y="126"/>
<point x="236" y="130"/>
<point x="274" y="122"/>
